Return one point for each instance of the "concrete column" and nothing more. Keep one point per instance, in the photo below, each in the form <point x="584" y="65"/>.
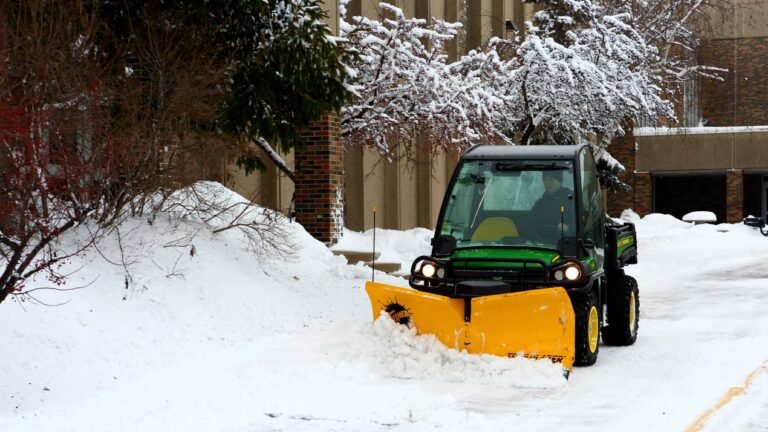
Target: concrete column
<point x="734" y="205"/>
<point x="354" y="191"/>
<point x="424" y="188"/>
<point x="452" y="13"/>
<point x="319" y="180"/>
<point x="474" y="24"/>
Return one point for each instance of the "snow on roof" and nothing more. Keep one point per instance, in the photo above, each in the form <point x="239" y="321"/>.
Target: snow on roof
<point x="700" y="217"/>
<point x="662" y="131"/>
<point x="521" y="151"/>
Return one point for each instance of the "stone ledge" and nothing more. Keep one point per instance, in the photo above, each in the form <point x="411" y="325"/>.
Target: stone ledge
<point x="354" y="257"/>
<point x="386" y="267"/>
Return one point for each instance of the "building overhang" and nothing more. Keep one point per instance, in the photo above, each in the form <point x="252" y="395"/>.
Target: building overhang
<point x="670" y="150"/>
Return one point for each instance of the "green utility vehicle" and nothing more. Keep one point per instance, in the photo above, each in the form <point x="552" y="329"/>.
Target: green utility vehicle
<point x="524" y="261"/>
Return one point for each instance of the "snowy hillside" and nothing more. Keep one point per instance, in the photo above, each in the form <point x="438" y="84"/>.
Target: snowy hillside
<point x="206" y="336"/>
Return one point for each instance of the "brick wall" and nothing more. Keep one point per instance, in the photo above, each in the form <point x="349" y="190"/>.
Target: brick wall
<point x="734" y="201"/>
<point x="643" y="198"/>
<point x="319" y="180"/>
<point x="739" y="100"/>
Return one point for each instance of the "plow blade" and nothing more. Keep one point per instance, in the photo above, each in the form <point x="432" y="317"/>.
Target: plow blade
<point x="535" y="324"/>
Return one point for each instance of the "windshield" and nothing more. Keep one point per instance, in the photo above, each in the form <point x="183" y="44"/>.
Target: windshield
<point x="508" y="202"/>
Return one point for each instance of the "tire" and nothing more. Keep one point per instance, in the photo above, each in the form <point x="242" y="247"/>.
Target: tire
<point x="587" y="313"/>
<point x="623" y="311"/>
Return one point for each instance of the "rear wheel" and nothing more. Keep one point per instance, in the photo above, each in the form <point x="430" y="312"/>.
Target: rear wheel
<point x="623" y="311"/>
<point x="587" y="328"/>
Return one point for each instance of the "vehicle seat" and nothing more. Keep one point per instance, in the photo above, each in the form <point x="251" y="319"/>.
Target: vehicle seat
<point x="495" y="228"/>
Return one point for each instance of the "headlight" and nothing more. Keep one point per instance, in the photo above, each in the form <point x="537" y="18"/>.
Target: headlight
<point x="426" y="267"/>
<point x="572" y="272"/>
<point x="568" y="272"/>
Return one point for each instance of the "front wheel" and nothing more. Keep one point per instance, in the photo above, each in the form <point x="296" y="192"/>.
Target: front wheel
<point x="623" y="312"/>
<point x="587" y="328"/>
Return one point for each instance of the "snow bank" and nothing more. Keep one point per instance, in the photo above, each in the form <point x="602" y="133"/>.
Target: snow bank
<point x="188" y="330"/>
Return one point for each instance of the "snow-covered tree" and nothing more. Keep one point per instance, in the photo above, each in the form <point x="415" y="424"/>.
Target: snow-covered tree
<point x="582" y="73"/>
<point x="407" y="89"/>
<point x="675" y="28"/>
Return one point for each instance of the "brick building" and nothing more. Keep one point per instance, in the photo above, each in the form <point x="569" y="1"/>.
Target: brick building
<point x="718" y="160"/>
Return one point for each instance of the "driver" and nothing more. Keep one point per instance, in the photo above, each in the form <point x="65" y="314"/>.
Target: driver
<point x="546" y="210"/>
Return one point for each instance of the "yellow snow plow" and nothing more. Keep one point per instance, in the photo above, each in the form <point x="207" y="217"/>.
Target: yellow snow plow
<point x="533" y="324"/>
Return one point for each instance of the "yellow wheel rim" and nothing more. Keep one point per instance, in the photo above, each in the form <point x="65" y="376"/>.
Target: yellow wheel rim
<point x="593" y="329"/>
<point x="632" y="316"/>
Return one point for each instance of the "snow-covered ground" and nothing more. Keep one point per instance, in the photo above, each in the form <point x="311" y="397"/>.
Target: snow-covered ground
<point x="222" y="340"/>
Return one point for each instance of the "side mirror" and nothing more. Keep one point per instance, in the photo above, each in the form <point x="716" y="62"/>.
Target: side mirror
<point x="753" y="221"/>
<point x="444" y="245"/>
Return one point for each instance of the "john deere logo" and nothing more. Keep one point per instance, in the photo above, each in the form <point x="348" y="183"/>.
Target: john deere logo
<point x="399" y="313"/>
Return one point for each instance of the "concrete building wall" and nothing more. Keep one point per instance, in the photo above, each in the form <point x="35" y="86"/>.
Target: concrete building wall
<point x="739" y="149"/>
<point x="742" y="19"/>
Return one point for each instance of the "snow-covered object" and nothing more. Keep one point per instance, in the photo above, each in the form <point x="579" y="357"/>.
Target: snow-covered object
<point x="630" y="215"/>
<point x="700" y="217"/>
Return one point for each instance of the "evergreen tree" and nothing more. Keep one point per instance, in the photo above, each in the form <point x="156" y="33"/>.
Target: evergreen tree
<point x="271" y="66"/>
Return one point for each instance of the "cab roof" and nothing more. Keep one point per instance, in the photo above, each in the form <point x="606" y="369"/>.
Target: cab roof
<point x="546" y="152"/>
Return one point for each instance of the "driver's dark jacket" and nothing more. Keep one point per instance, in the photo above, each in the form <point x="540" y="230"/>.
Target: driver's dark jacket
<point x="546" y="211"/>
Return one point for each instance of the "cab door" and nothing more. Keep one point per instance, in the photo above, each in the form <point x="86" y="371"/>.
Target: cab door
<point x="591" y="210"/>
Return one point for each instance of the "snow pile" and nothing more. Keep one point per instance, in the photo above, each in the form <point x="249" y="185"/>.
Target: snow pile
<point x="177" y="326"/>
<point x="405" y="355"/>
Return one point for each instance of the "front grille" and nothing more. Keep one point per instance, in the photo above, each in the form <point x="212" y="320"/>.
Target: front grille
<point x="508" y="270"/>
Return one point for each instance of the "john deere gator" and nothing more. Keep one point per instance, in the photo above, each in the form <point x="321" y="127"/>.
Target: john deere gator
<point x="524" y="261"/>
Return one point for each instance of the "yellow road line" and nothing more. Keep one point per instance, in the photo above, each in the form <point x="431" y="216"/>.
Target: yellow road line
<point x="732" y="393"/>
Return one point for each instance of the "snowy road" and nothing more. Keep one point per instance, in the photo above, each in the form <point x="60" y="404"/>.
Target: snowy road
<point x="233" y="345"/>
<point x="703" y="331"/>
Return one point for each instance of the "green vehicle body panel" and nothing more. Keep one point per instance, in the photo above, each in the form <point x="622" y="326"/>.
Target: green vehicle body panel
<point x="548" y="257"/>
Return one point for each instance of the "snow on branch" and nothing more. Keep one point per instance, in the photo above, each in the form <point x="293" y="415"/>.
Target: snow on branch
<point x="584" y="76"/>
<point x="409" y="90"/>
